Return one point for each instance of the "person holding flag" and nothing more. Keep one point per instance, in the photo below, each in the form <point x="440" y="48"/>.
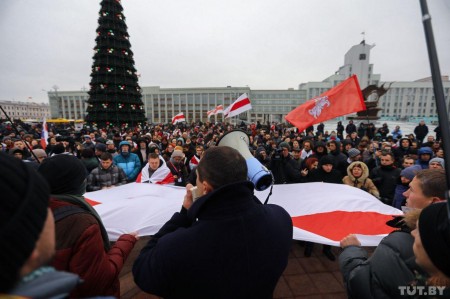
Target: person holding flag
<point x="392" y="264"/>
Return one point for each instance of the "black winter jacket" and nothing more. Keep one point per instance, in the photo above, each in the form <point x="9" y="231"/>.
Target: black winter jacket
<point x="228" y="245"/>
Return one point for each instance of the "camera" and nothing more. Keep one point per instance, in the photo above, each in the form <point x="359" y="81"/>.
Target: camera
<point x="277" y="154"/>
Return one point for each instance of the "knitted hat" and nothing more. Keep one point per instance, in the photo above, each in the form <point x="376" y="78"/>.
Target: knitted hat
<point x="410" y="172"/>
<point x="58" y="149"/>
<point x="327" y="159"/>
<point x="65" y="174"/>
<point x="177" y="153"/>
<point x="260" y="149"/>
<point x="434" y="229"/>
<point x="438" y="160"/>
<point x="23" y="212"/>
<point x="109" y="142"/>
<point x="284" y="145"/>
<point x="40" y="153"/>
<point x="15" y="150"/>
<point x="353" y="152"/>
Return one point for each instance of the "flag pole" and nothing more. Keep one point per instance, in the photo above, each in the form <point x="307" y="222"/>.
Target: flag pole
<point x="438" y="92"/>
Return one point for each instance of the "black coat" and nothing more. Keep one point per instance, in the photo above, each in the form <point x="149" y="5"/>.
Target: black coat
<point x="285" y="170"/>
<point x="385" y="178"/>
<point x="228" y="245"/>
<point x="421" y="132"/>
<point x="319" y="175"/>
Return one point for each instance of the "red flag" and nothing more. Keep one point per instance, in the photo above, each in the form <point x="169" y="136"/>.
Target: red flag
<point x="342" y="99"/>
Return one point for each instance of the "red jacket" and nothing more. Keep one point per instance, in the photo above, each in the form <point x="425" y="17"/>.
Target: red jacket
<point x="80" y="250"/>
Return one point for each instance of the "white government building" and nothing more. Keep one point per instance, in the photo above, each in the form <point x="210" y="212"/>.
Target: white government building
<point x="404" y="101"/>
<point x="25" y="110"/>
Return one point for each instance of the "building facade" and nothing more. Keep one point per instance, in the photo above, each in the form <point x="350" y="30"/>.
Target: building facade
<point x="403" y="101"/>
<point x="25" y="110"/>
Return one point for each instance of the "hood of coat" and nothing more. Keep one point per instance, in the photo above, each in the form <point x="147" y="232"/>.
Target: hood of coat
<point x="365" y="171"/>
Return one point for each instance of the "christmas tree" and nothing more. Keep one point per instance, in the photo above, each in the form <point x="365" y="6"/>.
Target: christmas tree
<point x="115" y="96"/>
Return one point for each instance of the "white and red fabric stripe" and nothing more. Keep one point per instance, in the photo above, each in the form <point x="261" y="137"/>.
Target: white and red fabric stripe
<point x="178" y="118"/>
<point x="241" y="104"/>
<point x="210" y="113"/>
<point x="194" y="162"/>
<point x="44" y="134"/>
<point x="321" y="212"/>
<point x="161" y="176"/>
<point x="215" y="111"/>
<point x="219" y="109"/>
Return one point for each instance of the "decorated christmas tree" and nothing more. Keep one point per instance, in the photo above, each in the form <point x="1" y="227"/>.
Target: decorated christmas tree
<point x="115" y="96"/>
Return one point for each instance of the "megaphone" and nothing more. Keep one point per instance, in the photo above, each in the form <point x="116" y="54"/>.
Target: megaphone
<point x="257" y="173"/>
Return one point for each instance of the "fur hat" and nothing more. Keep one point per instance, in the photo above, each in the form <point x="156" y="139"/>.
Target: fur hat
<point x="23" y="212"/>
<point x="434" y="229"/>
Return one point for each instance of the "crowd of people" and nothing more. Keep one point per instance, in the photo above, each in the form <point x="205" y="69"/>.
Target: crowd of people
<point x="405" y="171"/>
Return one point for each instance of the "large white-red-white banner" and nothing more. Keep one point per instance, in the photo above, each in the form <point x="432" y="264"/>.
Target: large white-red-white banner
<point x="321" y="212"/>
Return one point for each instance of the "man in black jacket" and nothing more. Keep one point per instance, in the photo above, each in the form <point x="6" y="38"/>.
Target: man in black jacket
<point x="385" y="177"/>
<point x="226" y="244"/>
<point x="421" y="131"/>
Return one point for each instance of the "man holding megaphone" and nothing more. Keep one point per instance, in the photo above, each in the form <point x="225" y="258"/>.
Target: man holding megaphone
<point x="225" y="244"/>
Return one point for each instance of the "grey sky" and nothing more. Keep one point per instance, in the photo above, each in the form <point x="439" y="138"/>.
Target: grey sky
<point x="265" y="44"/>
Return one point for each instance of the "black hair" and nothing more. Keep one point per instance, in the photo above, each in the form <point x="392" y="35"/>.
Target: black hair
<point x="222" y="165"/>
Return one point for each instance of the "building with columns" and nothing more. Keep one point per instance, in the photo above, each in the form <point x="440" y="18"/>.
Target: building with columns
<point x="25" y="110"/>
<point x="403" y="101"/>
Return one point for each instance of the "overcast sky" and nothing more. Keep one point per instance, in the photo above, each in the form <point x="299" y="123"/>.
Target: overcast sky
<point x="265" y="44"/>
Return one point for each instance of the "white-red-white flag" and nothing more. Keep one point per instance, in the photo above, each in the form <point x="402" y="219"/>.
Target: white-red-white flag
<point x="44" y="134"/>
<point x="178" y="118"/>
<point x="161" y="176"/>
<point x="340" y="210"/>
<point x="241" y="104"/>
<point x="219" y="109"/>
<point x="210" y="113"/>
<point x="215" y="111"/>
